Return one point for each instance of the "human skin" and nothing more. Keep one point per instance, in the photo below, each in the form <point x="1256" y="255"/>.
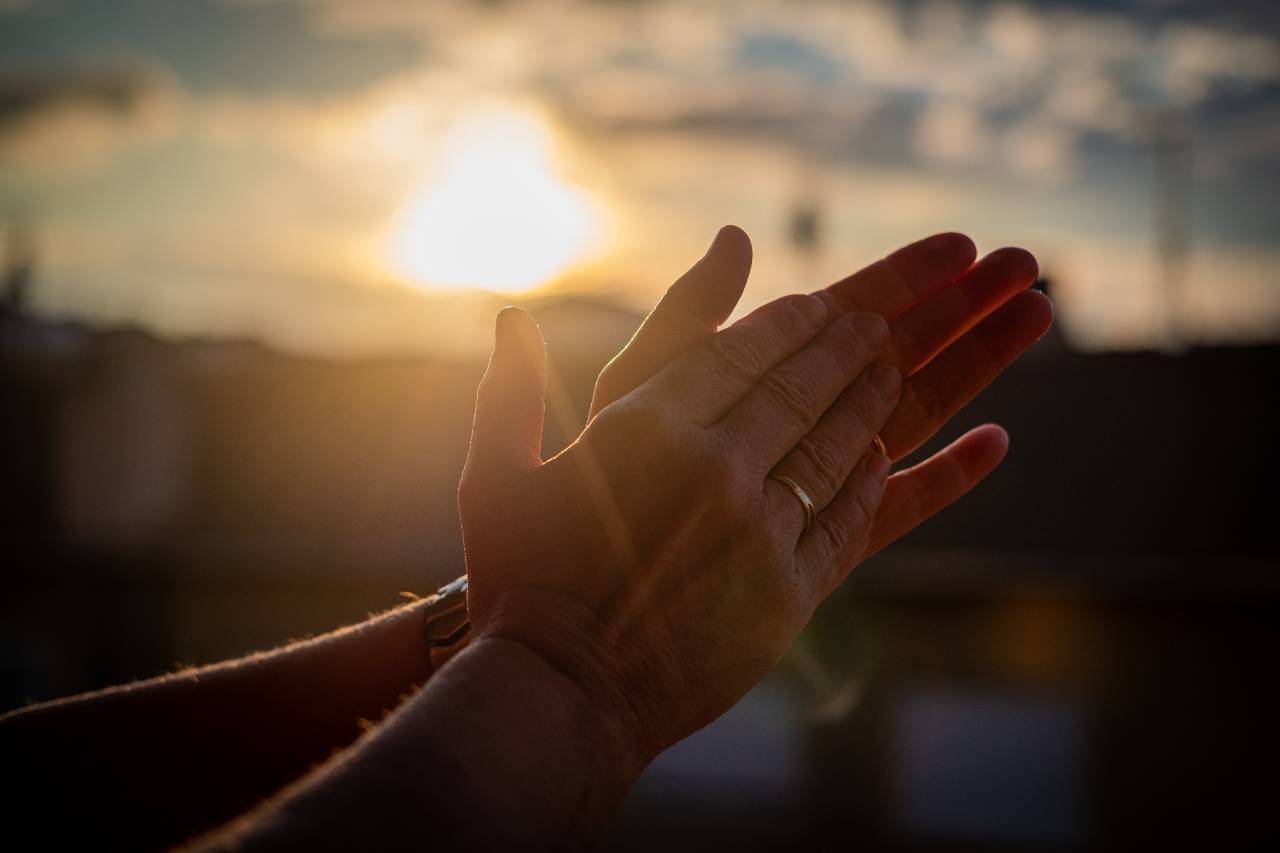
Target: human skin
<point x="629" y="608"/>
<point x="954" y="326"/>
<point x="629" y="590"/>
<point x="305" y="699"/>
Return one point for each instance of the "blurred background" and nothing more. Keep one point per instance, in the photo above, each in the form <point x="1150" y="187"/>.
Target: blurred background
<point x="251" y="254"/>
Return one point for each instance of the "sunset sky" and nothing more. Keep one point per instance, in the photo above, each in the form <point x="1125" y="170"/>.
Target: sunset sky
<point x="342" y="178"/>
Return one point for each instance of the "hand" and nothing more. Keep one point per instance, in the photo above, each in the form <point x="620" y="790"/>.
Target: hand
<point x="654" y="561"/>
<point x="954" y="326"/>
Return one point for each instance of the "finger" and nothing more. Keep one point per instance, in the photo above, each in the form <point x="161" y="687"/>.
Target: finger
<point x="917" y="493"/>
<point x="829" y="549"/>
<point x="788" y="400"/>
<point x="506" y="434"/>
<point x="823" y="459"/>
<point x="698" y="303"/>
<point x="930" y="326"/>
<point x="962" y="370"/>
<point x="706" y="381"/>
<point x="692" y="309"/>
<point x="895" y="283"/>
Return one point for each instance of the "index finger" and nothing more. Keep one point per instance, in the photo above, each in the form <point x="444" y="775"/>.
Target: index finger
<point x="896" y="282"/>
<point x="692" y="309"/>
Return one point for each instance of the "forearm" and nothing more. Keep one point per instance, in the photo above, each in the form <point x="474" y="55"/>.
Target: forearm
<point x="499" y="749"/>
<point x="160" y="760"/>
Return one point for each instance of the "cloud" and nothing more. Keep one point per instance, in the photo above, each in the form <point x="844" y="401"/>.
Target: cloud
<point x="1040" y="151"/>
<point x="967" y="73"/>
<point x="64" y="124"/>
<point x="952" y="132"/>
<point x="1196" y="58"/>
<point x="897" y="118"/>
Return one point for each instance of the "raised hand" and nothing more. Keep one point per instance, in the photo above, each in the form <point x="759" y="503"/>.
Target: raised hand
<point x="954" y="326"/>
<point x="658" y="561"/>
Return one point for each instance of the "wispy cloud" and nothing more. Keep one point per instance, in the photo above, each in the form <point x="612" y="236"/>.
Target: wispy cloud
<point x="1030" y="123"/>
<point x="1002" y="85"/>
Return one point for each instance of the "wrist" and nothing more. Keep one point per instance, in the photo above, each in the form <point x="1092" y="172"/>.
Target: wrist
<point x="523" y="720"/>
<point x="499" y="750"/>
<point x="616" y="759"/>
<point x="570" y="639"/>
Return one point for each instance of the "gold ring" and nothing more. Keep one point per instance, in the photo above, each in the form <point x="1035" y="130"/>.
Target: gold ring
<point x="878" y="444"/>
<point x="805" y="500"/>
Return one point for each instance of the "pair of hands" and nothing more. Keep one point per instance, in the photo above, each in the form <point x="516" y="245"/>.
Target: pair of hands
<point x="656" y="562"/>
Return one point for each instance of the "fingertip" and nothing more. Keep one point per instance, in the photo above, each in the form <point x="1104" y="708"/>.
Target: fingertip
<point x="516" y="328"/>
<point x="508" y="315"/>
<point x="1020" y="263"/>
<point x="512" y="319"/>
<point x="1043" y="307"/>
<point x="954" y="245"/>
<point x="712" y="287"/>
<point x="992" y="443"/>
<point x="733" y="239"/>
<point x="997" y="433"/>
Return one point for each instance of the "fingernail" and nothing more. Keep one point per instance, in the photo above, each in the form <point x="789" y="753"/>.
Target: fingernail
<point x="886" y="379"/>
<point x="878" y="466"/>
<point x="871" y="327"/>
<point x="813" y="308"/>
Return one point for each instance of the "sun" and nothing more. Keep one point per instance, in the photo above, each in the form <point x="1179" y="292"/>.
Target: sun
<point x="496" y="215"/>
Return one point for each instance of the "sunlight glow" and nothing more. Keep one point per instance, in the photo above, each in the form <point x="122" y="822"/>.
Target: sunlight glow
<point x="496" y="215"/>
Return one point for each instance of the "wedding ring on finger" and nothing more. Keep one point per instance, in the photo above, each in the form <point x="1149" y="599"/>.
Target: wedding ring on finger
<point x="878" y="443"/>
<point x="802" y="495"/>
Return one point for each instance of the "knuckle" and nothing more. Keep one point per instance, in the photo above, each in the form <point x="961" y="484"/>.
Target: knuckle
<point x="799" y="314"/>
<point x="865" y="503"/>
<point x="838" y="533"/>
<point x="870" y="330"/>
<point x="736" y="357"/>
<point x="824" y="459"/>
<point x="847" y="526"/>
<point x="793" y="395"/>
<point x="864" y="409"/>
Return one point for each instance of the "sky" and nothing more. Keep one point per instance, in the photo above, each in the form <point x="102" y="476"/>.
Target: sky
<point x="351" y="179"/>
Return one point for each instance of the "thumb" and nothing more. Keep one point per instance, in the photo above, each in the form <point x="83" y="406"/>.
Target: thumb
<point x="692" y="309"/>
<point x="506" y="434"/>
